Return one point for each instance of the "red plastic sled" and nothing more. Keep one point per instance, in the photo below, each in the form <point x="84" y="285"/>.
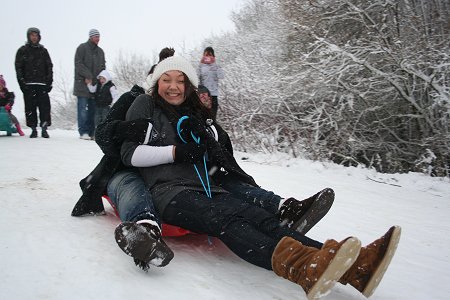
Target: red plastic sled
<point x="167" y="230"/>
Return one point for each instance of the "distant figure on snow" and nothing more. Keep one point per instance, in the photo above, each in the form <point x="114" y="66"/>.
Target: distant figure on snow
<point x="7" y="101"/>
<point x="209" y="73"/>
<point x="89" y="61"/>
<point x="105" y="94"/>
<point x="34" y="71"/>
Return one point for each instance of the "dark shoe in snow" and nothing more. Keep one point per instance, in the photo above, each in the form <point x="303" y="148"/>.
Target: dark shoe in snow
<point x="87" y="206"/>
<point x="142" y="241"/>
<point x="33" y="134"/>
<point x="303" y="215"/>
<point x="44" y="134"/>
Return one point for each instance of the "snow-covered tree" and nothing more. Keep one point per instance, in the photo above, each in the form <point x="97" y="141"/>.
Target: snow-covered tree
<point x="358" y="82"/>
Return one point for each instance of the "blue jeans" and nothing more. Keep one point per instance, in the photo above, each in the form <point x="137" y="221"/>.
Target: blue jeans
<point x="251" y="194"/>
<point x="86" y="115"/>
<point x="249" y="231"/>
<point x="133" y="201"/>
<point x="100" y="114"/>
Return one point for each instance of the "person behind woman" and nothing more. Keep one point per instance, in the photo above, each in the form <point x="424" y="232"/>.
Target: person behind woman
<point x="249" y="231"/>
<point x="209" y="73"/>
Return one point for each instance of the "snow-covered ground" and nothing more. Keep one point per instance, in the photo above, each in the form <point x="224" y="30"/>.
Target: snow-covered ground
<point x="47" y="254"/>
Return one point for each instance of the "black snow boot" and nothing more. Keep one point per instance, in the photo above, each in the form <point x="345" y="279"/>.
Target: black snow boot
<point x="44" y="133"/>
<point x="34" y="133"/>
<point x="87" y="206"/>
<point x="142" y="241"/>
<point x="303" y="215"/>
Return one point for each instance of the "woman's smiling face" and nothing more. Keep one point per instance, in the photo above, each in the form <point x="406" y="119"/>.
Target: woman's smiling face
<point x="171" y="87"/>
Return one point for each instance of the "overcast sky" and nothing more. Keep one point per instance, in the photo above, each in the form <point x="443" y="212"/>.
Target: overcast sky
<point x="136" y="26"/>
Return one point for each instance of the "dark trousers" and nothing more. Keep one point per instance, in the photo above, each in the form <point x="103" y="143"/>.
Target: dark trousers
<point x="36" y="97"/>
<point x="249" y="231"/>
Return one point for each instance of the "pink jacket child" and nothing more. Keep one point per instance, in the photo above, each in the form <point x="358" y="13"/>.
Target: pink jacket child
<point x="7" y="101"/>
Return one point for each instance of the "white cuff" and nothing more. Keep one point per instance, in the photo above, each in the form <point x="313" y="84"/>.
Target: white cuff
<point x="149" y="156"/>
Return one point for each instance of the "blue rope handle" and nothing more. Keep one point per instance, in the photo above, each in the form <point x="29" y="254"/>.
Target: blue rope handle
<point x="196" y="139"/>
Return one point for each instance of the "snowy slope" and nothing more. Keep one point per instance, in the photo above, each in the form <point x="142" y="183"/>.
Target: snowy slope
<point x="47" y="254"/>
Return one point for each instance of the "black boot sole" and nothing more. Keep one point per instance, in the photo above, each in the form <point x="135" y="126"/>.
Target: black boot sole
<point x="138" y="243"/>
<point x="320" y="207"/>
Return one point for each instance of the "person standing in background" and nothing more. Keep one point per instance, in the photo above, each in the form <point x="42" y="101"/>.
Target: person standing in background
<point x="209" y="73"/>
<point x="89" y="61"/>
<point x="34" y="70"/>
<point x="105" y="94"/>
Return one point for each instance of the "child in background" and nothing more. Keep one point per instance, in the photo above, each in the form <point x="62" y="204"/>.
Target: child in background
<point x="7" y="101"/>
<point x="105" y="94"/>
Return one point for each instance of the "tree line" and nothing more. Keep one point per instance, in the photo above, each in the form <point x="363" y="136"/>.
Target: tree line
<point x="356" y="82"/>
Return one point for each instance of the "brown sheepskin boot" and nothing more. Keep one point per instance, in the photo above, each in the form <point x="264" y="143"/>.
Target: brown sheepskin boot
<point x="373" y="261"/>
<point x="315" y="270"/>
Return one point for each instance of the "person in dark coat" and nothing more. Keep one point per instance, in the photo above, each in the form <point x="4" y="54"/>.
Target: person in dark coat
<point x="89" y="62"/>
<point x="34" y="70"/>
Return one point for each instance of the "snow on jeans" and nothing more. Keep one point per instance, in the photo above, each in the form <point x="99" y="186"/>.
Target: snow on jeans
<point x="249" y="231"/>
<point x="133" y="201"/>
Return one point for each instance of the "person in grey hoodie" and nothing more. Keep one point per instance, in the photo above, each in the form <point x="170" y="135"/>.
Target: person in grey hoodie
<point x="89" y="62"/>
<point x="209" y="73"/>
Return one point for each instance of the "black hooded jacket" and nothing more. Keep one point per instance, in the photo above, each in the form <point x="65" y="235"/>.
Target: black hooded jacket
<point x="33" y="64"/>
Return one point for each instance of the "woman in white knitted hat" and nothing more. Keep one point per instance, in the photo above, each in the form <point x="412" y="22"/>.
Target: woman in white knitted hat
<point x="186" y="195"/>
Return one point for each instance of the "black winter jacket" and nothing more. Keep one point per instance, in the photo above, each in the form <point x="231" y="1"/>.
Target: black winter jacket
<point x="33" y="65"/>
<point x="103" y="95"/>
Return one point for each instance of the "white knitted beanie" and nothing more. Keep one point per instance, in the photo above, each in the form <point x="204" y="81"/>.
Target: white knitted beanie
<point x="172" y="63"/>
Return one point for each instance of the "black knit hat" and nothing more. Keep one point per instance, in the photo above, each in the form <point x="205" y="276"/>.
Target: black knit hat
<point x="210" y="50"/>
<point x="33" y="29"/>
<point x="203" y="89"/>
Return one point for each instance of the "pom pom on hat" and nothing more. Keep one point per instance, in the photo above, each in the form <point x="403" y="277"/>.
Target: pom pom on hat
<point x="172" y="63"/>
<point x="94" y="32"/>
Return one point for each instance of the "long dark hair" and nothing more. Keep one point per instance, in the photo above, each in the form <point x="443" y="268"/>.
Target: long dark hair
<point x="191" y="107"/>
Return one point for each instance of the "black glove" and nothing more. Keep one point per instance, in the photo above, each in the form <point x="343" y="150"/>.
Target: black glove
<point x="135" y="130"/>
<point x="195" y="126"/>
<point x="189" y="153"/>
